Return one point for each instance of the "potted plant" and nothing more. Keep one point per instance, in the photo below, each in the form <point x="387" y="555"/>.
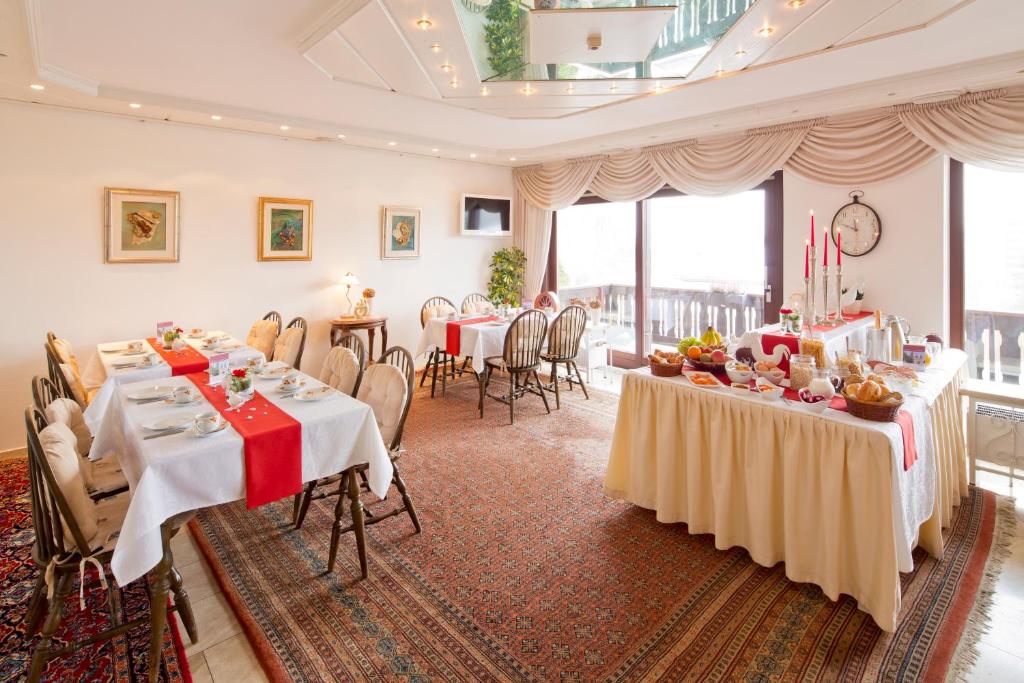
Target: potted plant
<point x="241" y="381"/>
<point x="508" y="268"/>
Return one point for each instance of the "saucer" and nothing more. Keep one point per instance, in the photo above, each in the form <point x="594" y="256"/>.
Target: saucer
<point x="314" y="394"/>
<point x="195" y="397"/>
<point x="292" y="390"/>
<point x="192" y="431"/>
<point x="170" y="422"/>
<point x="158" y="391"/>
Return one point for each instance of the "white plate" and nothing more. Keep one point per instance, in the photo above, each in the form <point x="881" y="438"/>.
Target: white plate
<point x="314" y="394"/>
<point x="152" y="392"/>
<point x="286" y="390"/>
<point x="690" y="375"/>
<point x="195" y="397"/>
<point x="192" y="431"/>
<point x="275" y="373"/>
<point x="170" y="422"/>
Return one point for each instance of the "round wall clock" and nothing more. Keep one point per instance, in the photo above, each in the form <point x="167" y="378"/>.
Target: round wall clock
<point x="861" y="226"/>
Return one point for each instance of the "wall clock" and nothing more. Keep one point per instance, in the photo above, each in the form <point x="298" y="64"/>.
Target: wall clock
<point x="861" y="226"/>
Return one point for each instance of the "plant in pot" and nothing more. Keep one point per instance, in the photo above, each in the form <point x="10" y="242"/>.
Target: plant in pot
<point x="508" y="269"/>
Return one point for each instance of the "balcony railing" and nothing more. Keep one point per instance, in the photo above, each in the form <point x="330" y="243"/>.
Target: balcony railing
<point x="674" y="313"/>
<point x="994" y="342"/>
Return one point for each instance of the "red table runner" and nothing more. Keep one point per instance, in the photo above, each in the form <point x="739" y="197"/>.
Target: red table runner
<point x="792" y="341"/>
<point x="183" y="362"/>
<point x="273" y="444"/>
<point x="453" y="340"/>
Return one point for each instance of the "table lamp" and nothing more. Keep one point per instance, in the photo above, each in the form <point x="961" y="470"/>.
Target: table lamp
<point x="348" y="280"/>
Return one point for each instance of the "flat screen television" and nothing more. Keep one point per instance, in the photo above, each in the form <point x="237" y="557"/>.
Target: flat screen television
<point x="486" y="216"/>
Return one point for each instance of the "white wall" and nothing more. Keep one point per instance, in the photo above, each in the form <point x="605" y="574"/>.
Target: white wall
<point x="907" y="272"/>
<point x="54" y="165"/>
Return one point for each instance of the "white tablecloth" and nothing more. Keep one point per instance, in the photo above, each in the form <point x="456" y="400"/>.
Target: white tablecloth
<point x="178" y="473"/>
<point x="479" y="340"/>
<point x="100" y="371"/>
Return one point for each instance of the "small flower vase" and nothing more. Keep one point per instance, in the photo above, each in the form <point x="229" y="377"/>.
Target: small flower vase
<point x="241" y="384"/>
<point x="169" y="338"/>
<point x="369" y="305"/>
<point x="177" y="344"/>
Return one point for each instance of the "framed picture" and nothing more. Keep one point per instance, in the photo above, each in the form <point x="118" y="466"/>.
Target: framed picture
<point x="286" y="229"/>
<point x="400" y="233"/>
<point x="140" y="226"/>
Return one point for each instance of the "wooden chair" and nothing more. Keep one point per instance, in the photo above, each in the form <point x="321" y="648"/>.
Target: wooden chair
<point x="290" y="343"/>
<point x="521" y="359"/>
<point x="564" y="337"/>
<point x="274" y="317"/>
<point x="431" y="308"/>
<point x="56" y="374"/>
<point x="472" y="301"/>
<point x="337" y="374"/>
<point x="353" y="480"/>
<point x="61" y="544"/>
<point x="103" y="478"/>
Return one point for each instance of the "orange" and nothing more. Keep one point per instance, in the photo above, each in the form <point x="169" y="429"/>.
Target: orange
<point x="693" y="352"/>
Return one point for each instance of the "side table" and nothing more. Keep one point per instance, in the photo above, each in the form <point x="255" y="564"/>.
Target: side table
<point x="346" y="323"/>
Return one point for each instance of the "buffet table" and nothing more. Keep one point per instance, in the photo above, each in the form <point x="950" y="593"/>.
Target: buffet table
<point x="825" y="493"/>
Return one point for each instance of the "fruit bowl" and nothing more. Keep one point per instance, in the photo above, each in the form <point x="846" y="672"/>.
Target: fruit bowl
<point x="813" y="402"/>
<point x="736" y="374"/>
<point x="709" y="366"/>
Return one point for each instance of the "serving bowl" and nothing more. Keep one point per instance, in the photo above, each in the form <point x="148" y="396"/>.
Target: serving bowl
<point x="775" y="375"/>
<point x="814" y="406"/>
<point x="738" y="376"/>
<point x="767" y="390"/>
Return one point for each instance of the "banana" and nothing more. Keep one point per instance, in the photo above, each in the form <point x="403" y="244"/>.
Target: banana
<point x="711" y="337"/>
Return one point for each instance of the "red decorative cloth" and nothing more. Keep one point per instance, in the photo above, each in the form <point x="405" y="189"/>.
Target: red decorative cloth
<point x="453" y="340"/>
<point x="792" y="341"/>
<point x="906" y="422"/>
<point x="183" y="362"/>
<point x="273" y="444"/>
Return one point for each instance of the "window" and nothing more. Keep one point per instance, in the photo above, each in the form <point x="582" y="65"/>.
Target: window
<point x="993" y="273"/>
<point x="660" y="269"/>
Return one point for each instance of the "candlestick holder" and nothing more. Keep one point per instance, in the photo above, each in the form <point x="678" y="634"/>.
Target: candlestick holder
<point x="810" y="314"/>
<point x="825" y="320"/>
<point x="838" y="318"/>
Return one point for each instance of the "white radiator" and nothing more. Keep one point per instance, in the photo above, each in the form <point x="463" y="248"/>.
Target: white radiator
<point x="1000" y="438"/>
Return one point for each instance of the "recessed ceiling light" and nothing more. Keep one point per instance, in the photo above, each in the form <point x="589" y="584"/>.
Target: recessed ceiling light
<point x="741" y="52"/>
<point x="392" y="143"/>
<point x="511" y="158"/>
<point x="285" y="127"/>
<point x="424" y="24"/>
<point x="571" y="89"/>
<point x="454" y="83"/>
<point x="446" y="67"/>
<point x="528" y="90"/>
<point x="435" y="149"/>
<point x="341" y="136"/>
<point x="435" y="48"/>
<point x="719" y="72"/>
<point x="215" y="117"/>
<point x="134" y="105"/>
<point x="766" y="31"/>
<point x="796" y="4"/>
<point x="37" y="86"/>
<point x="484" y="92"/>
<point x="613" y="88"/>
<point x="658" y="89"/>
<point x="472" y="155"/>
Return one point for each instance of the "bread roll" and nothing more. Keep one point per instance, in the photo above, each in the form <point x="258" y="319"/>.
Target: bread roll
<point x="869" y="391"/>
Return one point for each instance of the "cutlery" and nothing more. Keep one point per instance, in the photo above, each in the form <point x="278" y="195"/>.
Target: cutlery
<point x="144" y="401"/>
<point x="166" y="432"/>
<point x="114" y="350"/>
<point x="122" y="366"/>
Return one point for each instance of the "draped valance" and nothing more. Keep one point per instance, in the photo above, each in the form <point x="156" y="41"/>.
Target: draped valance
<point x="983" y="128"/>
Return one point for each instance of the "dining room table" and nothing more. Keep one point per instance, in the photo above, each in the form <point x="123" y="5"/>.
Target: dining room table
<point x="114" y="363"/>
<point x="840" y="500"/>
<point x="260" y="451"/>
<point x="470" y="335"/>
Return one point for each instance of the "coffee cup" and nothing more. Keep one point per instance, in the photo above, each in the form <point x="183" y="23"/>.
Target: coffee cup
<point x="256" y="363"/>
<point x="151" y="358"/>
<point x="290" y="382"/>
<point x="207" y="422"/>
<point x="182" y="394"/>
<point x="197" y="331"/>
<point x="135" y="346"/>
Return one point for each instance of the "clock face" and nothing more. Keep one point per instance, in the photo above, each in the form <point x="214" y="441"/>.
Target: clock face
<point x="861" y="228"/>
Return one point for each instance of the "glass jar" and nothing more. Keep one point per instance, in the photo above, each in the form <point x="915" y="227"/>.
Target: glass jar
<point x="801" y="371"/>
<point x="821" y="383"/>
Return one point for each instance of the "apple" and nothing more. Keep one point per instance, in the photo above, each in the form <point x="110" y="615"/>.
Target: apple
<point x="718" y="356"/>
<point x="705" y="357"/>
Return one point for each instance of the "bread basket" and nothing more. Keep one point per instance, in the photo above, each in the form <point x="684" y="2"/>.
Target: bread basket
<point x="666" y="369"/>
<point x="876" y="412"/>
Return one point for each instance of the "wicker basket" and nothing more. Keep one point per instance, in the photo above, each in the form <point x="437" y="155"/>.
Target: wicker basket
<point x="876" y="412"/>
<point x="666" y="370"/>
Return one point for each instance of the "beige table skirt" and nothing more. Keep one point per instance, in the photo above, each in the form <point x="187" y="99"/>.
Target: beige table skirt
<point x="787" y="485"/>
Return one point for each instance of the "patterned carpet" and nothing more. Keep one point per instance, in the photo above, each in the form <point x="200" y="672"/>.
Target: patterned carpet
<point x="120" y="659"/>
<point x="525" y="571"/>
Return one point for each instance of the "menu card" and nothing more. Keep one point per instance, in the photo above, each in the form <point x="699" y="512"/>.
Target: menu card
<point x="915" y="355"/>
<point x="163" y="327"/>
<point x="218" y="367"/>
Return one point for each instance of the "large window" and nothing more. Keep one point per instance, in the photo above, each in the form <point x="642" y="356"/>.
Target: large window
<point x="669" y="266"/>
<point x="993" y="275"/>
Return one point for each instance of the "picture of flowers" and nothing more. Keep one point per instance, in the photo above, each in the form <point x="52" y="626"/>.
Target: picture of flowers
<point x="400" y="233"/>
<point x="141" y="226"/>
<point x="286" y="229"/>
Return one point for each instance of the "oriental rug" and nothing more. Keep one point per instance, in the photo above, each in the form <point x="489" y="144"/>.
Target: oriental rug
<point x="525" y="571"/>
<point x="121" y="659"/>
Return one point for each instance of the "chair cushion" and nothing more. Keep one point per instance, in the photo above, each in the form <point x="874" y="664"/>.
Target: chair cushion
<point x="70" y="413"/>
<point x="66" y="353"/>
<point x="481" y="307"/>
<point x="58" y="443"/>
<point x="75" y="382"/>
<point x="106" y="475"/>
<point x="340" y="370"/>
<point x="384" y="388"/>
<point x="438" y="311"/>
<point x="261" y="337"/>
<point x="286" y="349"/>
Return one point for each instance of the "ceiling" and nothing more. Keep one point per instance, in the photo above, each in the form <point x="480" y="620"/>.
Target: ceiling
<point x="366" y="73"/>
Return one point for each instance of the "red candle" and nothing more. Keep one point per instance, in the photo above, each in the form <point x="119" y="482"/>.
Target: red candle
<point x="807" y="263"/>
<point x="812" y="227"/>
<point x="839" y="247"/>
<point x="825" y="233"/>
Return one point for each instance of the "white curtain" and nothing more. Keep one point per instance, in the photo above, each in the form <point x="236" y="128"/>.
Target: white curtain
<point x="532" y="234"/>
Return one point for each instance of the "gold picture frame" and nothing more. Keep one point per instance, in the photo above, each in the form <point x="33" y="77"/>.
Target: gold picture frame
<point x="141" y="226"/>
<point x="285" y="229"/>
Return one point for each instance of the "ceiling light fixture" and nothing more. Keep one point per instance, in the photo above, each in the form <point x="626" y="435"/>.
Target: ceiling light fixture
<point x="341" y="136"/>
<point x="766" y="31"/>
<point x="134" y="105"/>
<point x="454" y="83"/>
<point x="719" y="72"/>
<point x="528" y="90"/>
<point x="658" y="89"/>
<point x="392" y="143"/>
<point x="285" y="127"/>
<point x="511" y="158"/>
<point x="424" y="24"/>
<point x="215" y="117"/>
<point x="446" y="67"/>
<point x="571" y="89"/>
<point x="435" y="48"/>
<point x="484" y="92"/>
<point x="613" y="88"/>
<point x="472" y="155"/>
<point x="796" y="4"/>
<point x="37" y="86"/>
<point x="434" y="149"/>
<point x="741" y="52"/>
